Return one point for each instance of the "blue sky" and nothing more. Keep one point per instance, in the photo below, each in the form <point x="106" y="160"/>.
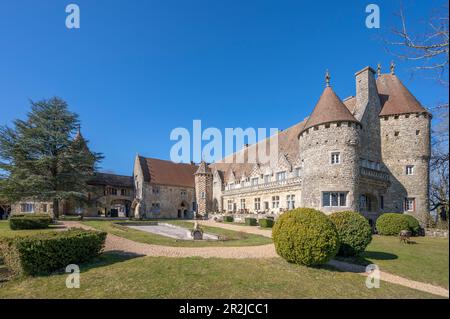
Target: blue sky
<point x="135" y="70"/>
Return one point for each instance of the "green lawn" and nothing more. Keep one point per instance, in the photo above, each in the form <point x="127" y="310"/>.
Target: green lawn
<point x="425" y="260"/>
<point x="115" y="276"/>
<point x="234" y="238"/>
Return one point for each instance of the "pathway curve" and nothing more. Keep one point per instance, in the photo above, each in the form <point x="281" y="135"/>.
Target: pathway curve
<point x="127" y="246"/>
<point x="120" y="244"/>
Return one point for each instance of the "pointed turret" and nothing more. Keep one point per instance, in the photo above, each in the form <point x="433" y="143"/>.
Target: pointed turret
<point x="329" y="109"/>
<point x="395" y="97"/>
<point x="203" y="188"/>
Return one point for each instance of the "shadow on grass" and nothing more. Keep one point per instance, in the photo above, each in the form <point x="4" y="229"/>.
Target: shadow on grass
<point x="109" y="258"/>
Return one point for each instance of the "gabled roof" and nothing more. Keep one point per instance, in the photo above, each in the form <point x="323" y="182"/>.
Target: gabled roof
<point x="163" y="172"/>
<point x="287" y="144"/>
<point x="395" y="98"/>
<point x="111" y="180"/>
<point x="329" y="109"/>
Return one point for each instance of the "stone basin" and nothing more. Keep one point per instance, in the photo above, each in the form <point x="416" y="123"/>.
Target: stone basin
<point x="172" y="231"/>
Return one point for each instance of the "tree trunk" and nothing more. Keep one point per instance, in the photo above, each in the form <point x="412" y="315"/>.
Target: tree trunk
<point x="55" y="208"/>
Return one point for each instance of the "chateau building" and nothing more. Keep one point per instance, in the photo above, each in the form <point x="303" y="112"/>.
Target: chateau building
<point x="368" y="153"/>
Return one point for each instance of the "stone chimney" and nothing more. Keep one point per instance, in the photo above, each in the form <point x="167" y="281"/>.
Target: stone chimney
<point x="367" y="110"/>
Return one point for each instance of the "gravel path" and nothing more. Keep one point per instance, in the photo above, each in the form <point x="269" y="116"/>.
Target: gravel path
<point x="123" y="245"/>
<point x="126" y="246"/>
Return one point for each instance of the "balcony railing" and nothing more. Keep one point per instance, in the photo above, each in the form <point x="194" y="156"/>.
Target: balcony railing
<point x="375" y="174"/>
<point x="264" y="186"/>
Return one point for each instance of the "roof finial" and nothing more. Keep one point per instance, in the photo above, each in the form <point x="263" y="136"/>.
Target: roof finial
<point x="392" y="67"/>
<point x="327" y="78"/>
<point x="378" y="69"/>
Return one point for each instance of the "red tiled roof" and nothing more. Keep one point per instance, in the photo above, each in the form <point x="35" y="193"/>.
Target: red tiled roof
<point x="328" y="109"/>
<point x="395" y="98"/>
<point x="163" y="172"/>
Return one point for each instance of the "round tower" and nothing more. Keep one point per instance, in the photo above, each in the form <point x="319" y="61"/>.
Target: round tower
<point x="203" y="188"/>
<point x="329" y="153"/>
<point x="405" y="147"/>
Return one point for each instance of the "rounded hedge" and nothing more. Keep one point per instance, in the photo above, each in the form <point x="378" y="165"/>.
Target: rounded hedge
<point x="413" y="223"/>
<point x="390" y="224"/>
<point x="305" y="236"/>
<point x="354" y="232"/>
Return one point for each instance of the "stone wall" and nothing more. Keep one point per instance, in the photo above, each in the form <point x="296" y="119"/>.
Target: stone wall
<point x="319" y="175"/>
<point x="174" y="201"/>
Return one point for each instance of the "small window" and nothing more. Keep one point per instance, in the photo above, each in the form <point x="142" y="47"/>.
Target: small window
<point x="396" y="117"/>
<point x="297" y="171"/>
<point x="202" y="195"/>
<point x="44" y="208"/>
<point x="27" y="208"/>
<point x="334" y="199"/>
<point x="396" y="133"/>
<point x="338" y="124"/>
<point x="257" y="203"/>
<point x="255" y="181"/>
<point x="417" y="132"/>
<point x="275" y="201"/>
<point x="335" y="158"/>
<point x="382" y="202"/>
<point x="410" y="170"/>
<point x="290" y="201"/>
<point x="410" y="204"/>
<point x="327" y="125"/>
<point x="242" y="203"/>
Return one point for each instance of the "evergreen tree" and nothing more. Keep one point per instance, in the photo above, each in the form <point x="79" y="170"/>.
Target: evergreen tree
<point x="40" y="159"/>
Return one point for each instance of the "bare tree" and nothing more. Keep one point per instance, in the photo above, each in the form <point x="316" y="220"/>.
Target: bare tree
<point x="427" y="46"/>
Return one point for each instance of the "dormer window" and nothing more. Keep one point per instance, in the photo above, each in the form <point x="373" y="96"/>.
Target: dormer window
<point x="281" y="176"/>
<point x="335" y="158"/>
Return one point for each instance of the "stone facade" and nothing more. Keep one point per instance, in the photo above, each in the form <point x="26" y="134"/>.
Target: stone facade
<point x="163" y="189"/>
<point x="369" y="154"/>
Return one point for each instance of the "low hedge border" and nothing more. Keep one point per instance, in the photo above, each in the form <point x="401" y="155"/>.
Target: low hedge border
<point x="31" y="221"/>
<point x="228" y="219"/>
<point x="47" y="252"/>
<point x="266" y="223"/>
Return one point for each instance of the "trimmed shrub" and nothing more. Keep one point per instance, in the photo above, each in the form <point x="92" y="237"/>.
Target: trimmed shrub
<point x="390" y="224"/>
<point x="31" y="221"/>
<point x="250" y="221"/>
<point x="47" y="252"/>
<point x="229" y="219"/>
<point x="413" y="224"/>
<point x="266" y="223"/>
<point x="354" y="232"/>
<point x="305" y="236"/>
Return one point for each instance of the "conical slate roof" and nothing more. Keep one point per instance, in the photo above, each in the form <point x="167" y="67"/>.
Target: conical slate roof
<point x="395" y="98"/>
<point x="329" y="109"/>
